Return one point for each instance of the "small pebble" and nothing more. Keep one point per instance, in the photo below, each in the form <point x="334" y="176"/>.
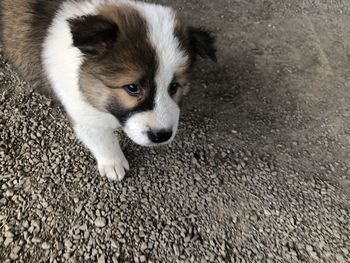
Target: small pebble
<point x="100" y="222"/>
<point x="102" y="259"/>
<point x="45" y="246"/>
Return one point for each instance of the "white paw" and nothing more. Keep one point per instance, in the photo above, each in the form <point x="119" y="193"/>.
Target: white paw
<point x="113" y="169"/>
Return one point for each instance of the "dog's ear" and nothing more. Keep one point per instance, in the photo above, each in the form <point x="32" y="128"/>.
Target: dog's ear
<point x="202" y="43"/>
<point x="93" y="34"/>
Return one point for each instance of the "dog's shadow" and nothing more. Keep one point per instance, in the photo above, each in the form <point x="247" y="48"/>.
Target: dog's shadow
<point x="245" y="97"/>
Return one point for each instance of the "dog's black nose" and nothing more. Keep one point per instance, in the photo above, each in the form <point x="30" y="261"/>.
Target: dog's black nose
<point x="160" y="135"/>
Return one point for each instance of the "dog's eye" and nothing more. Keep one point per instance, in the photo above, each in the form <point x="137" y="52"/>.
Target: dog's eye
<point x="173" y="88"/>
<point x="133" y="90"/>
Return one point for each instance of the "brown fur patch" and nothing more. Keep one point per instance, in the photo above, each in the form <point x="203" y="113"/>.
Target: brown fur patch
<point x="177" y="97"/>
<point x="24" y="26"/>
<point x="100" y="93"/>
<point x="131" y="60"/>
<point x="182" y="78"/>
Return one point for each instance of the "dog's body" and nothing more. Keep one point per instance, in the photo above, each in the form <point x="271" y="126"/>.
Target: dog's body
<point x="111" y="63"/>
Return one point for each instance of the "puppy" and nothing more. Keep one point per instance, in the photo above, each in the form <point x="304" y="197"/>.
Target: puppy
<point x="111" y="63"/>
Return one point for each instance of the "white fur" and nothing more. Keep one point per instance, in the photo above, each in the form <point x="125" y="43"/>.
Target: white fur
<point x="161" y="26"/>
<point x="94" y="128"/>
<point x="62" y="62"/>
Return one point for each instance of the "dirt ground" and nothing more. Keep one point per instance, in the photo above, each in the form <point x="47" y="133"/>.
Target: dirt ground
<point x="259" y="171"/>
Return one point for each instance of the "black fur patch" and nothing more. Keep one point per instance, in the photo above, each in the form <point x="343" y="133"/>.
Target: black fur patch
<point x="148" y="104"/>
<point x="93" y="34"/>
<point x="202" y="43"/>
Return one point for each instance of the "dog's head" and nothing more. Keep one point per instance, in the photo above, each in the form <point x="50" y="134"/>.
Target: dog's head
<point x="136" y="60"/>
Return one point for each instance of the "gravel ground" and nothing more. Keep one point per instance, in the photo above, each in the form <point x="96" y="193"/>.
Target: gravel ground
<point x="259" y="171"/>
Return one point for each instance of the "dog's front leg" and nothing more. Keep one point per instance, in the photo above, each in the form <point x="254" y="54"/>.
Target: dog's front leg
<point x="104" y="145"/>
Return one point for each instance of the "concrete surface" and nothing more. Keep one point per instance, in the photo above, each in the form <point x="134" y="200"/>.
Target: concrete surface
<point x="259" y="171"/>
